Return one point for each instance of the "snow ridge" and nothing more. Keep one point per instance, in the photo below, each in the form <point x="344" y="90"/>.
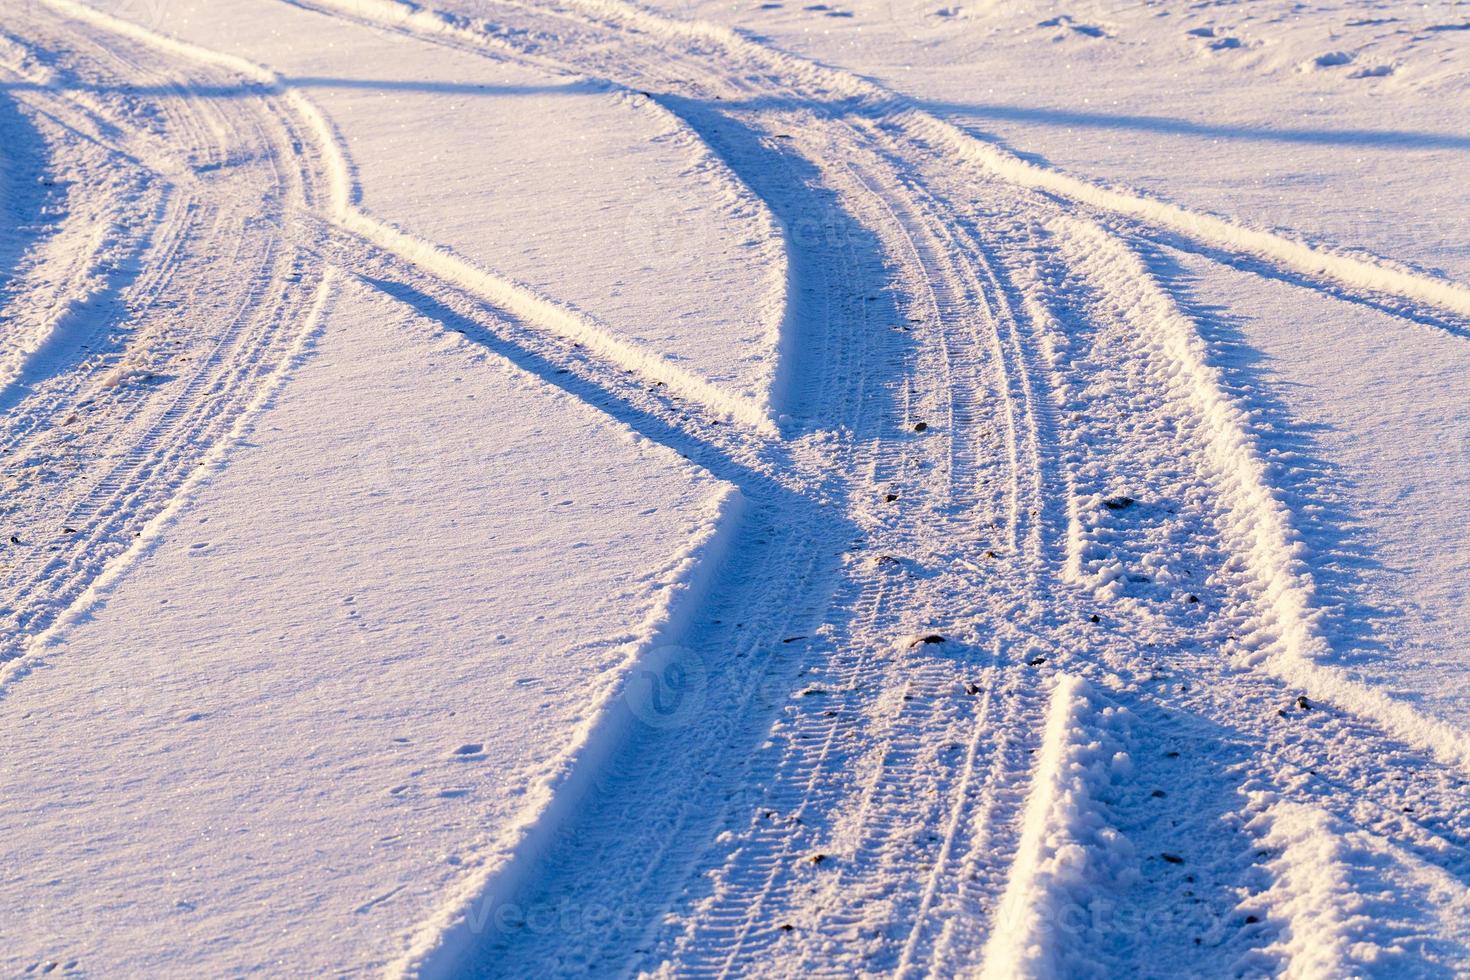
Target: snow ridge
<point x="1349" y="902"/>
<point x="1313" y="894"/>
<point x="151" y="534"/>
<point x="1289" y="642"/>
<point x="1069" y="855"/>
<point x="494" y="289"/>
<point x="427" y="23"/>
<point x="575" y="326"/>
<point x="76" y="262"/>
<point x="1375" y="275"/>
<point x="441" y="946"/>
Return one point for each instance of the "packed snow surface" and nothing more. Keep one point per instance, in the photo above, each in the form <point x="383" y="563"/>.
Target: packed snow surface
<point x="548" y="487"/>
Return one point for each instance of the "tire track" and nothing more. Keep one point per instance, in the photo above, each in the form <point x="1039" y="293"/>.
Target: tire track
<point x="1319" y="265"/>
<point x="891" y="715"/>
<point x="759" y="881"/>
<point x="626" y="825"/>
<point x="143" y="438"/>
<point x="1260" y="740"/>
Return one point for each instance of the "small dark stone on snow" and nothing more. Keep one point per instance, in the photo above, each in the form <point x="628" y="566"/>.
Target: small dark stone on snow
<point x="972" y="688"/>
<point x="68" y="530"/>
<point x="1159" y="794"/>
<point x="1251" y="920"/>
<point x="817" y="858"/>
<point x="787" y="927"/>
<point x="921" y="426"/>
<point x="1303" y="703"/>
<point x="14" y="539"/>
<point x="1118" y="503"/>
<point x="1094" y="618"/>
<point x="793" y="639"/>
<point x="891" y="497"/>
<point x="1036" y="661"/>
<point x="1172" y="858"/>
<point x="931" y="638"/>
<point x="1191" y="598"/>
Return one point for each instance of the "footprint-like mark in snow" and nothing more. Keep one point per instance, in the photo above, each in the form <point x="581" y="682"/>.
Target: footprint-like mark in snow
<point x="1087" y="30"/>
<point x="470" y="752"/>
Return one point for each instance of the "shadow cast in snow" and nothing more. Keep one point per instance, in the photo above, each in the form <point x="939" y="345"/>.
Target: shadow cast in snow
<point x="69" y="83"/>
<point x="658" y="797"/>
<point x="1173" y="126"/>
<point x="1422" y="315"/>
<point x="1338" y="557"/>
<point x="753" y="484"/>
<point x="25" y="192"/>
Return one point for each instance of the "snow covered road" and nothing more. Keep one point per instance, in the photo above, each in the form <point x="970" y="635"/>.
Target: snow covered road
<point x="524" y="489"/>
